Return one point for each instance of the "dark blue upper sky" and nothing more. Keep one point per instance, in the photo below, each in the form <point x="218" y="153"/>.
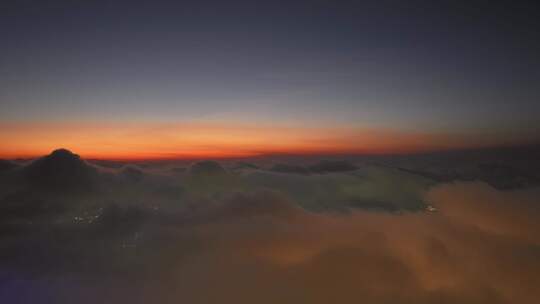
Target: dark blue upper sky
<point x="436" y="65"/>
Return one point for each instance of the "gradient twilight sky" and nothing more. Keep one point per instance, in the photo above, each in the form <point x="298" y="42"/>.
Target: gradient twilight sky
<point x="232" y="78"/>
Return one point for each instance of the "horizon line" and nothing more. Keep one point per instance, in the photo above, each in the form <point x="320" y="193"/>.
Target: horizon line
<point x="253" y="155"/>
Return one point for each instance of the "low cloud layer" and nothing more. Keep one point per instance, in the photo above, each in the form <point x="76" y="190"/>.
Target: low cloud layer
<point x="256" y="236"/>
<point x="472" y="251"/>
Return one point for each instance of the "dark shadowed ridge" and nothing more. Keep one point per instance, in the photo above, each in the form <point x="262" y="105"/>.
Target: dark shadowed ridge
<point x="6" y="165"/>
<point x="61" y="170"/>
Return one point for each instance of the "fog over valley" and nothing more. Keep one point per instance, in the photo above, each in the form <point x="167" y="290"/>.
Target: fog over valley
<point x="267" y="230"/>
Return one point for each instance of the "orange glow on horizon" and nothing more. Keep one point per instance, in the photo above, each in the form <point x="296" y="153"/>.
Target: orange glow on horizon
<point x="130" y="141"/>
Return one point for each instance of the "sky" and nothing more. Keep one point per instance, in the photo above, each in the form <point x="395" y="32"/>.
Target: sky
<point x="166" y="79"/>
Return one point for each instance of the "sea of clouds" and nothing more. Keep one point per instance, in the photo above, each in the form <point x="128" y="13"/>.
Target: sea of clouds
<point x="235" y="232"/>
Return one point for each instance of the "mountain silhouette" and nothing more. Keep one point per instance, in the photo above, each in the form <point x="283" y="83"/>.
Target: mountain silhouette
<point x="61" y="170"/>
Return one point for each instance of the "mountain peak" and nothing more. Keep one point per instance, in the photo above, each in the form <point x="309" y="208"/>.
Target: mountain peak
<point x="62" y="169"/>
<point x="63" y="153"/>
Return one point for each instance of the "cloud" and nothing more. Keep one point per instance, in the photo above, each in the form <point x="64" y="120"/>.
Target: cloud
<point x="132" y="173"/>
<point x="452" y="257"/>
<point x="288" y="168"/>
<point x="263" y="237"/>
<point x="323" y="166"/>
<point x="207" y="168"/>
<point x="332" y="166"/>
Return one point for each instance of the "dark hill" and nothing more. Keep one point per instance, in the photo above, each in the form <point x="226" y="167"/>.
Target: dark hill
<point x="61" y="170"/>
